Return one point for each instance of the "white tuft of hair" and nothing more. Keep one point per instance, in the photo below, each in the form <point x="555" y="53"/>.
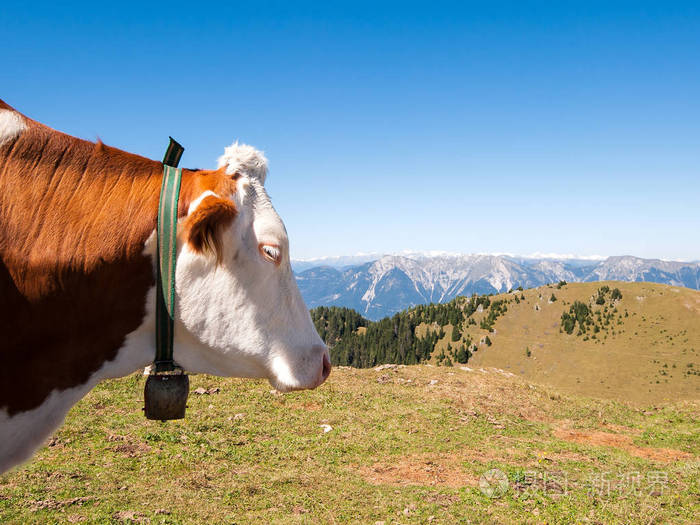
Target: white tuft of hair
<point x="11" y="125"/>
<point x="244" y="159"/>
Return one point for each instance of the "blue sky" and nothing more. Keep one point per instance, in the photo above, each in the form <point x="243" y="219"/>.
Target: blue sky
<point x="521" y="127"/>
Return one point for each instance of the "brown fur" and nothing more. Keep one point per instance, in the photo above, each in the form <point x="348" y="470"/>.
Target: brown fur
<point x="74" y="217"/>
<point x="204" y="225"/>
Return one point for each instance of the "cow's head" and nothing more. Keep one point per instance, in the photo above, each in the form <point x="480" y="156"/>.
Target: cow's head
<point x="239" y="310"/>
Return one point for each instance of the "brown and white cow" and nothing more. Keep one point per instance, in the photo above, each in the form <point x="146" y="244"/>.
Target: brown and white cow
<point x="77" y="294"/>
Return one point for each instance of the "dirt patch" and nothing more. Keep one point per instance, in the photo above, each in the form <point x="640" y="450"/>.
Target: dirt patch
<point x="196" y="481"/>
<point x="434" y="470"/>
<point x="131" y="450"/>
<point x="620" y="428"/>
<point x="127" y="446"/>
<point x="620" y="441"/>
<point x="52" y="504"/>
<point x="444" y="500"/>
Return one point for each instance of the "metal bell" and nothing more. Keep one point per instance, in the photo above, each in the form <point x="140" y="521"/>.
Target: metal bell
<point x="165" y="396"/>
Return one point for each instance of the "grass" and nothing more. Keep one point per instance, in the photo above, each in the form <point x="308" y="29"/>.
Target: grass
<point x="401" y="450"/>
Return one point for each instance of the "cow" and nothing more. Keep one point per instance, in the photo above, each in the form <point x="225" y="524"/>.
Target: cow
<point x="77" y="277"/>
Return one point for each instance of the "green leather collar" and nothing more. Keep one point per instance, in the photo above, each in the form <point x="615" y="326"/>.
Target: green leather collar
<point x="166" y="253"/>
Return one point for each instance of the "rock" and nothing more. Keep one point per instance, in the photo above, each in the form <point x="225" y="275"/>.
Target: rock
<point x="388" y="366"/>
<point x="326" y="428"/>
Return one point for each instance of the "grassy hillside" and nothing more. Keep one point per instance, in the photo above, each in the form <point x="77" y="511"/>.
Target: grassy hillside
<point x="403" y="445"/>
<point x="648" y="352"/>
<point x="637" y="342"/>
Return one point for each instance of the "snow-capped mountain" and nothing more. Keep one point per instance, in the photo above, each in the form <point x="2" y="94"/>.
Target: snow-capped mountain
<point x="654" y="270"/>
<point x="393" y="283"/>
<point x="334" y="261"/>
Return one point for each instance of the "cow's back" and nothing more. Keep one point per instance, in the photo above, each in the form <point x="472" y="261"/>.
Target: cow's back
<point x="74" y="216"/>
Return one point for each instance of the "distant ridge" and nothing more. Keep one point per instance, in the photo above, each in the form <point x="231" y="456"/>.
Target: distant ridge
<point x="377" y="286"/>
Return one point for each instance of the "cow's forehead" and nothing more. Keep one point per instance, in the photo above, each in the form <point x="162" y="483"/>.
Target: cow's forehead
<point x="267" y="223"/>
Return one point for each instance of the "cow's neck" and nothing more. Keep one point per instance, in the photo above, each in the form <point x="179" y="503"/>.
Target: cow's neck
<point x="76" y="283"/>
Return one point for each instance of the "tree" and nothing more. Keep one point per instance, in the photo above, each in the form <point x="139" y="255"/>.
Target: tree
<point x="578" y="313"/>
<point x="568" y="322"/>
<point x="463" y="355"/>
<point x="355" y="341"/>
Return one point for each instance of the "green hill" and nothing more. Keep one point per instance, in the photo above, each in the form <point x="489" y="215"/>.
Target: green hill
<point x="638" y="342"/>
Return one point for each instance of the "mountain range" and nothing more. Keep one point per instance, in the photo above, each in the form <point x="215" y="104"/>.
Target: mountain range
<point x="391" y="283"/>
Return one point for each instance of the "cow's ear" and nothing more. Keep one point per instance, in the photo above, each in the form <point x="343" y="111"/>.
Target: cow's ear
<point x="204" y="225"/>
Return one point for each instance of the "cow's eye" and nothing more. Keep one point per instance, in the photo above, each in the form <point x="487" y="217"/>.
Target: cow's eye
<point x="271" y="252"/>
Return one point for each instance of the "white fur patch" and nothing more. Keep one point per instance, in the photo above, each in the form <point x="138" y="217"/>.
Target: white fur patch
<point x="244" y="159"/>
<point x="195" y="203"/>
<point x="11" y="125"/>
